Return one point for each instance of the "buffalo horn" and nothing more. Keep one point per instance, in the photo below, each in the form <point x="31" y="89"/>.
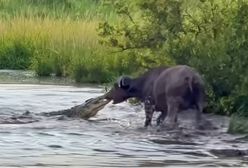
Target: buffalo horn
<point x="123" y="81"/>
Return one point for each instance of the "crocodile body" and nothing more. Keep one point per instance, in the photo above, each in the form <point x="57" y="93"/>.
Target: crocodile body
<point x="86" y="110"/>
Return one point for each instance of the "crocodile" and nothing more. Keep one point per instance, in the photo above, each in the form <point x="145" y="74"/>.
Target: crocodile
<point x="86" y="110"/>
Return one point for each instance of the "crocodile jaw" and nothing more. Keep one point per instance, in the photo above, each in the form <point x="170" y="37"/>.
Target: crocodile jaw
<point x="92" y="106"/>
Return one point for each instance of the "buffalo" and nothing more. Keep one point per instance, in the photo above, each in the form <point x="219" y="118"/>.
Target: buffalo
<point x="164" y="89"/>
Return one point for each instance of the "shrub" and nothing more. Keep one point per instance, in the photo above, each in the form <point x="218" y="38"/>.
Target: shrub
<point x="42" y="63"/>
<point x="15" y="55"/>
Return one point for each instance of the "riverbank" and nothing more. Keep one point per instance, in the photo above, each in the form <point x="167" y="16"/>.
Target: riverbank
<point x="23" y="77"/>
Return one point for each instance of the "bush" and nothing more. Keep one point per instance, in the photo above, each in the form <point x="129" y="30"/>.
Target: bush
<point x="100" y="66"/>
<point x="42" y="63"/>
<point x="15" y="55"/>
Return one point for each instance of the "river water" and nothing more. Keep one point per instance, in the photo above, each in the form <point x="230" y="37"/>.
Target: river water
<point x="115" y="137"/>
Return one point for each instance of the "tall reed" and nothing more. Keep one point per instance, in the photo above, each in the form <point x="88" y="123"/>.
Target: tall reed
<point x="58" y="37"/>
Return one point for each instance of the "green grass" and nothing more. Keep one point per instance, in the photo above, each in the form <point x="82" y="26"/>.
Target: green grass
<point x="58" y="37"/>
<point x="59" y="9"/>
<point x="64" y="48"/>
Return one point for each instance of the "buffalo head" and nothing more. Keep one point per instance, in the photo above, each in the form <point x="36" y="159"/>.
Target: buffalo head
<point x="122" y="90"/>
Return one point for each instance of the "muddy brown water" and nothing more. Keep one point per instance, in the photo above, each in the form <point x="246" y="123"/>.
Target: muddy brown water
<point x="115" y="137"/>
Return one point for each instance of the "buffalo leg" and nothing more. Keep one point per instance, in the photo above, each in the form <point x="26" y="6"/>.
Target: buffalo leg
<point x="173" y="107"/>
<point x="161" y="117"/>
<point x="149" y="110"/>
<point x="199" y="111"/>
<point x="199" y="101"/>
<point x="148" y="120"/>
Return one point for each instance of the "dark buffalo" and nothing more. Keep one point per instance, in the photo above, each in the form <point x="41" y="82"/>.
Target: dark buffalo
<point x="164" y="89"/>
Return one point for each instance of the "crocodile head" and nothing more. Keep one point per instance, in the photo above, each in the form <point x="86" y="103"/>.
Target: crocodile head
<point x="92" y="106"/>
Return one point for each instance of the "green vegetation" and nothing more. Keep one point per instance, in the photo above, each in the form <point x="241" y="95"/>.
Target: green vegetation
<point x="57" y="9"/>
<point x="58" y="37"/>
<point x="62" y="37"/>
